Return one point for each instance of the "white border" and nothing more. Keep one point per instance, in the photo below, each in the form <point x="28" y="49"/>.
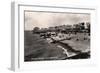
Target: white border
<point x="18" y="36"/>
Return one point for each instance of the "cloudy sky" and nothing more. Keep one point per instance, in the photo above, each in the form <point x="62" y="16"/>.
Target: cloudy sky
<point x="49" y="19"/>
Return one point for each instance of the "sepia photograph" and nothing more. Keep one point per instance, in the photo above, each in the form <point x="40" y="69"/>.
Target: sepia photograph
<point x="56" y="36"/>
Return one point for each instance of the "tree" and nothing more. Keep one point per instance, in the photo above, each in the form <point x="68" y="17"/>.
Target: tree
<point x="82" y="27"/>
<point x="36" y="29"/>
<point x="88" y="27"/>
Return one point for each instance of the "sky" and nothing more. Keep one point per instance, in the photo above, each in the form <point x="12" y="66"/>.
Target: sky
<point x="50" y="19"/>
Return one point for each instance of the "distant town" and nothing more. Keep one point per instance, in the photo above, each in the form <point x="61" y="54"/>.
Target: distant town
<point x="75" y="28"/>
